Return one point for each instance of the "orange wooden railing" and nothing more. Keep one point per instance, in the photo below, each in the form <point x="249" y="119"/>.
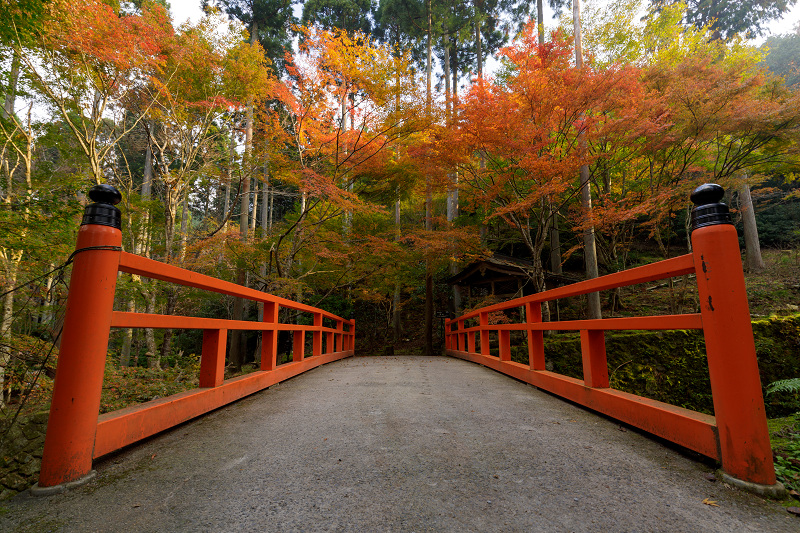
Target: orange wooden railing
<point x="75" y="433"/>
<point x="737" y="435"/>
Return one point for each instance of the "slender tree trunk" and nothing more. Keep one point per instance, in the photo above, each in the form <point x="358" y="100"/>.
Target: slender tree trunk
<point x="254" y="218"/>
<point x="540" y="20"/>
<point x="555" y="237"/>
<point x="127" y="338"/>
<point x="479" y="48"/>
<point x="12" y="260"/>
<point x="184" y="226"/>
<point x="753" y="260"/>
<point x="454" y="85"/>
<point x="396" y="305"/>
<point x="589" y="246"/>
<point x="428" y="196"/>
<point x="11" y="91"/>
<point x="448" y="102"/>
<point x="265" y="204"/>
<point x="238" y="348"/>
<point x="555" y="241"/>
<point x="149" y="335"/>
<point x="229" y="177"/>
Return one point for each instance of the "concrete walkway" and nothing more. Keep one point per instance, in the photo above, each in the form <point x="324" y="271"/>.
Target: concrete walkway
<point x="399" y="444"/>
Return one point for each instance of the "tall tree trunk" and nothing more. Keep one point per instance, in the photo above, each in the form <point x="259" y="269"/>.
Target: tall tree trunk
<point x="589" y="246"/>
<point x="555" y="237"/>
<point x="396" y="304"/>
<point x="11" y="260"/>
<point x="127" y="338"/>
<point x="428" y="195"/>
<point x="479" y="48"/>
<point x="540" y="20"/>
<point x="753" y="260"/>
<point x="254" y="218"/>
<point x="149" y="335"/>
<point x="184" y="226"/>
<point x="238" y="348"/>
<point x="447" y="97"/>
<point x="141" y="246"/>
<point x="11" y="90"/>
<point x="229" y="176"/>
<point x="265" y="204"/>
<point x="555" y="241"/>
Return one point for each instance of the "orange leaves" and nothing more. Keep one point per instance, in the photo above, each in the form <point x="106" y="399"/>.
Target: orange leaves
<point x="521" y="137"/>
<point x="90" y="28"/>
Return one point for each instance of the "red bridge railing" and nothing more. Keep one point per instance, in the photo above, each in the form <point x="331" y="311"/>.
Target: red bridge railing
<point x="75" y="433"/>
<point x="737" y="435"/>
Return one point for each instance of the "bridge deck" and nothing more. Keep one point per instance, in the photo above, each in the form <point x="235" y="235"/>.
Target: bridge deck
<point x="399" y="444"/>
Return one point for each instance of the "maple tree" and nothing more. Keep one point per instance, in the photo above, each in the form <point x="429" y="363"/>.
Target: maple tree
<point x="91" y="62"/>
<point x="518" y="139"/>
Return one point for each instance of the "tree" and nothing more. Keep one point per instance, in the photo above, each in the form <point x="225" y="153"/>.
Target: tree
<point x="268" y="21"/>
<point x="782" y="56"/>
<point x="348" y="15"/>
<point x="527" y="130"/>
<point x="727" y="18"/>
<point x="90" y="63"/>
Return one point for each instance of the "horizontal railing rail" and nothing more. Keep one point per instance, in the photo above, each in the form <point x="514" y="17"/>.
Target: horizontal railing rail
<point x="76" y="434"/>
<point x="737" y="433"/>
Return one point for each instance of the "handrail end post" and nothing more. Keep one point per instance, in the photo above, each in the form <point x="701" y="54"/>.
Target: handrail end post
<point x="72" y="423"/>
<point x="745" y="450"/>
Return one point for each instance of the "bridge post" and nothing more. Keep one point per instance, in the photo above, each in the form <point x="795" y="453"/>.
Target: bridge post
<point x="298" y="346"/>
<point x="316" y="337"/>
<point x="533" y="315"/>
<point x="212" y="359"/>
<point x="593" y="353"/>
<point x="71" y="428"/>
<point x="269" y="337"/>
<point x="484" y="323"/>
<point x="743" y="437"/>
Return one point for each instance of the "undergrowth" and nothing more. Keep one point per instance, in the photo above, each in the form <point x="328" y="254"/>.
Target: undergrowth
<point x="785" y="438"/>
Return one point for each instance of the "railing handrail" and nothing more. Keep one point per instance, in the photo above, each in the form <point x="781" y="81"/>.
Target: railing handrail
<point x="676" y="266"/>
<point x="124" y="319"/>
<point x="150" y="268"/>
<point x="658" y="322"/>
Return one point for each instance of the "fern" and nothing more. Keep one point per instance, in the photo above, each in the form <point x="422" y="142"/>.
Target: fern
<point x="784" y="385"/>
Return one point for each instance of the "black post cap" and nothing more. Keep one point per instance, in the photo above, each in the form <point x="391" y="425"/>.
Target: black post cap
<point x="103" y="211"/>
<point x="708" y="210"/>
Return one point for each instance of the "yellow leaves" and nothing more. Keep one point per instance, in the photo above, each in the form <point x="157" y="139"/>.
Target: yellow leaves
<point x="710" y="502"/>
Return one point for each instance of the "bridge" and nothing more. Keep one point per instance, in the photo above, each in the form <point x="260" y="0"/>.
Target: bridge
<point x="401" y="444"/>
<point x="407" y="443"/>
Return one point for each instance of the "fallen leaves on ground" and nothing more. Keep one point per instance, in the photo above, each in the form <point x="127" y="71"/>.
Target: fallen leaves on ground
<point x="710" y="502"/>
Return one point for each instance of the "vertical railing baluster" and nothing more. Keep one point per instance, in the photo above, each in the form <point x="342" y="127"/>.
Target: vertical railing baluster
<point x="484" y="323"/>
<point x="595" y="365"/>
<point x="212" y="359"/>
<point x="269" y="337"/>
<point x="298" y="346"/>
<point x="317" y="335"/>
<point x="504" y="340"/>
<point x="533" y="315"/>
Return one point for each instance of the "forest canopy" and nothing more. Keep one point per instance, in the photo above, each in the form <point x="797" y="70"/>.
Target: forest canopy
<point x="350" y="172"/>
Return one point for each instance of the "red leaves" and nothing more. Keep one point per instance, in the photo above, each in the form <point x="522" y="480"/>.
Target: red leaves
<point x="93" y="30"/>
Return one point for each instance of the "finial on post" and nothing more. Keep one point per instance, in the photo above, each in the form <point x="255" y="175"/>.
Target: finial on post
<point x="103" y="211"/>
<point x="708" y="210"/>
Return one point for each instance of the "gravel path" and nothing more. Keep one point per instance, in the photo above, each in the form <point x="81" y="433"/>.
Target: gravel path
<point x="417" y="444"/>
